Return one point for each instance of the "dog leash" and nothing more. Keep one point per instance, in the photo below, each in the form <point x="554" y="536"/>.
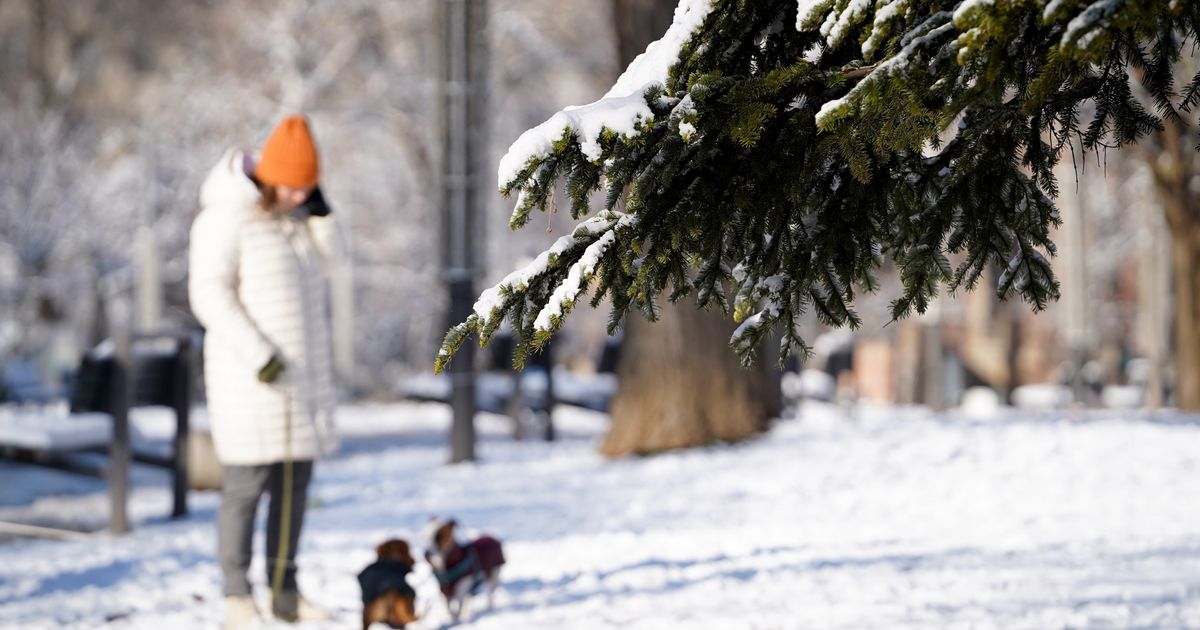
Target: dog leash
<point x="285" y="518"/>
<point x="469" y="564"/>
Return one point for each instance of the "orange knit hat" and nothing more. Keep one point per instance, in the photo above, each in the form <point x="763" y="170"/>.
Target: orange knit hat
<point x="289" y="158"/>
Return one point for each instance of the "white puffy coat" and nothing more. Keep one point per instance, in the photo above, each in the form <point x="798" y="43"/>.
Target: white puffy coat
<point x="258" y="284"/>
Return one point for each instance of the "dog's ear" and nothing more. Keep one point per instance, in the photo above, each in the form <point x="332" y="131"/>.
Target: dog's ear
<point x="429" y="532"/>
<point x="444" y="534"/>
<point x="404" y="554"/>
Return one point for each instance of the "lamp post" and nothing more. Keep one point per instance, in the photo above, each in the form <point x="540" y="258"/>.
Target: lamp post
<point x="464" y="64"/>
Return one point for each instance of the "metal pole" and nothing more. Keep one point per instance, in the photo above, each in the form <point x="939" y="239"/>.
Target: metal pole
<point x="119" y="451"/>
<point x="462" y="375"/>
<point x="182" y="396"/>
<point x="462" y="126"/>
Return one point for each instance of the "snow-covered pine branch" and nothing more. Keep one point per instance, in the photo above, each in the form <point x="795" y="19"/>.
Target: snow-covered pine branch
<point x="622" y="110"/>
<point x="579" y="253"/>
<point x="822" y="125"/>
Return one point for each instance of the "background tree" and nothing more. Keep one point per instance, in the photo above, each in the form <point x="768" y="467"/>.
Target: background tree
<point x="678" y="386"/>
<point x="779" y="150"/>
<point x="113" y="111"/>
<point x="1174" y="163"/>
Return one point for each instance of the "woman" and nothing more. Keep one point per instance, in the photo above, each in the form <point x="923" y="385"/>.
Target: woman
<point x="258" y="286"/>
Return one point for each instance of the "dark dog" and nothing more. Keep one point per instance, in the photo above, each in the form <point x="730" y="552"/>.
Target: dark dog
<point x="462" y="569"/>
<point x="386" y="595"/>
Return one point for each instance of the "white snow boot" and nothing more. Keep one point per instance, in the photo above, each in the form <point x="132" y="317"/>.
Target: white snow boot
<point x="241" y="613"/>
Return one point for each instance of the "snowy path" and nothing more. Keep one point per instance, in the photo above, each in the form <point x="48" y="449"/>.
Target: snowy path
<point x="895" y="520"/>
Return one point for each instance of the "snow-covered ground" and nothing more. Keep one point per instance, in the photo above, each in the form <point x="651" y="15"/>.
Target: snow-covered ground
<point x="890" y="519"/>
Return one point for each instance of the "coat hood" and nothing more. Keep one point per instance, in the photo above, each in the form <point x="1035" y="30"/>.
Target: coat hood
<point x="227" y="183"/>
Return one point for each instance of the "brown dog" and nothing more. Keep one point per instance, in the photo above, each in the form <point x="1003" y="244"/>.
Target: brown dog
<point x="387" y="597"/>
<point x="462" y="569"/>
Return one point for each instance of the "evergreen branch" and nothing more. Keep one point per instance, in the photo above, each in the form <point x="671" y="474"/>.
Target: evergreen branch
<point x="784" y="164"/>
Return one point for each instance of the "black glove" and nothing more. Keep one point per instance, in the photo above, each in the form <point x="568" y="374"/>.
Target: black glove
<point x="316" y="204"/>
<point x="271" y="370"/>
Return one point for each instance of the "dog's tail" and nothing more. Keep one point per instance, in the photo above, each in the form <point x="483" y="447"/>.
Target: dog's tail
<point x="418" y="616"/>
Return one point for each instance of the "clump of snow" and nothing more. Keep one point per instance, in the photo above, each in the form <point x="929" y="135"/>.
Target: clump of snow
<point x="888" y="11"/>
<point x="622" y="110"/>
<point x="853" y="13"/>
<point x="684" y="112"/>
<point x="754" y="321"/>
<point x="620" y="114"/>
<point x="809" y="11"/>
<point x="568" y="291"/>
<point x="1014" y="268"/>
<point x="1085" y="27"/>
<point x="766" y="294"/>
<point x="1127" y="397"/>
<point x="809" y="384"/>
<point x="651" y="67"/>
<point x="968" y="7"/>
<point x="981" y="403"/>
<point x="1052" y="8"/>
<point x="1042" y="396"/>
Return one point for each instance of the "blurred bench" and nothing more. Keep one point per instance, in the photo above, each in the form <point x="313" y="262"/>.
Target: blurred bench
<point x="528" y="396"/>
<point x="21" y="381"/>
<point x="97" y="419"/>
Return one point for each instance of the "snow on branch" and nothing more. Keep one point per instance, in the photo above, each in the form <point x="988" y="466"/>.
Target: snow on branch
<point x="594" y="234"/>
<point x="567" y="292"/>
<point x="700" y="190"/>
<point x="768" y="295"/>
<point x="810" y="12"/>
<point x="833" y="111"/>
<point x="886" y="13"/>
<point x="836" y="19"/>
<point x="491" y="302"/>
<point x="1083" y="29"/>
<point x="622" y="110"/>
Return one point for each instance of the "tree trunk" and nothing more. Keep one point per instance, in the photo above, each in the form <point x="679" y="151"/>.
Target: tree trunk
<point x="680" y="384"/>
<point x="1185" y="263"/>
<point x="1173" y="167"/>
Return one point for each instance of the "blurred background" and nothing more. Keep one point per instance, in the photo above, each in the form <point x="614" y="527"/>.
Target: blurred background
<point x="113" y="112"/>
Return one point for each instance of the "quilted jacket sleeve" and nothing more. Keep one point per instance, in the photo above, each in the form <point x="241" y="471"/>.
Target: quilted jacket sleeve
<point x="212" y="289"/>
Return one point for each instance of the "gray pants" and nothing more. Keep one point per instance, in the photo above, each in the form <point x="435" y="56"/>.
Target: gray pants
<point x="241" y="488"/>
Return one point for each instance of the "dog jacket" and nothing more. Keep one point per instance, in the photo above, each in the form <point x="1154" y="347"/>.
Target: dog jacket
<point x="473" y="560"/>
<point x="382" y="576"/>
